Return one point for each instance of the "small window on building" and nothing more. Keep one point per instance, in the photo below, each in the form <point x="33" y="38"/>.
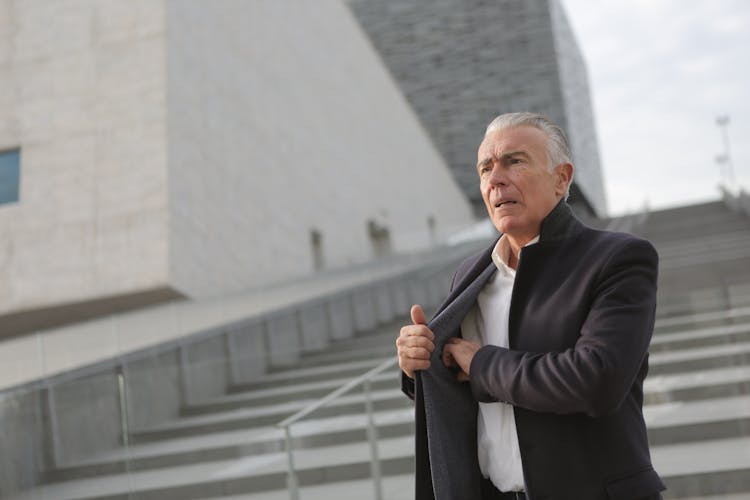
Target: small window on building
<point x="316" y="242"/>
<point x="10" y="173"/>
<point x="380" y="238"/>
<point x="432" y="230"/>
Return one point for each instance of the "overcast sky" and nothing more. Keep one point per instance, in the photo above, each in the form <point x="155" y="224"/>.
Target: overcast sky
<point x="661" y="71"/>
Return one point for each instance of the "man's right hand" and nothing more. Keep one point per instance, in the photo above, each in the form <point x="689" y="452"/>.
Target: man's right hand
<point x="415" y="343"/>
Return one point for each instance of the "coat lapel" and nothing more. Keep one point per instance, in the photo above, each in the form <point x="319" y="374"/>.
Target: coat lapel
<point x="448" y="320"/>
<point x="449" y="408"/>
<point x="467" y="278"/>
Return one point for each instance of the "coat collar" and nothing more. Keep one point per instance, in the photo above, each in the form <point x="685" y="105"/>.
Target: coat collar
<point x="560" y="224"/>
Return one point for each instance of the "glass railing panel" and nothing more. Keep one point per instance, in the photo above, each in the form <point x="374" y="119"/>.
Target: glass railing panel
<point x="189" y="397"/>
<point x="25" y="453"/>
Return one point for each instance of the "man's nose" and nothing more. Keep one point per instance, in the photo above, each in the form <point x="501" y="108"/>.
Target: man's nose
<point x="498" y="176"/>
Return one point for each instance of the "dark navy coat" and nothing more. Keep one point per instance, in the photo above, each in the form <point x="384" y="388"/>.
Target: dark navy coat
<point x="581" y="319"/>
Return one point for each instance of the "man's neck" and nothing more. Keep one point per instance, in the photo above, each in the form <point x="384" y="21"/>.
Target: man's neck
<point x="513" y="259"/>
<point x="516" y="244"/>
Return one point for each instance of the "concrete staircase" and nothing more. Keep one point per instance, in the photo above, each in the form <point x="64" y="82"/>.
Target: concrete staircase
<point x="697" y="400"/>
<point x="229" y="445"/>
<point x="698" y="392"/>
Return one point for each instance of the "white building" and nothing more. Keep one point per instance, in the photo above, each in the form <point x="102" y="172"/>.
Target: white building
<point x="188" y="148"/>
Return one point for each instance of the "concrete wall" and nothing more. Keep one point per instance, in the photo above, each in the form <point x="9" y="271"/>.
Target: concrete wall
<point x="462" y="63"/>
<point x="283" y="121"/>
<point x="82" y="95"/>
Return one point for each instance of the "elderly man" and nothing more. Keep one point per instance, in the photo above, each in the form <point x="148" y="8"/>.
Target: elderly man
<point x="528" y="382"/>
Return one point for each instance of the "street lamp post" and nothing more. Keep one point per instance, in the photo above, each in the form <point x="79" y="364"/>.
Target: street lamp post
<point x="725" y="160"/>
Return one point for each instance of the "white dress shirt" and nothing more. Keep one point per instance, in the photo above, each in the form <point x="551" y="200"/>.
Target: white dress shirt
<point x="487" y="323"/>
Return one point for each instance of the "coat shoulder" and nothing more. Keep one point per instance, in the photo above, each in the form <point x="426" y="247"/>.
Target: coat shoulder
<point x="616" y="241"/>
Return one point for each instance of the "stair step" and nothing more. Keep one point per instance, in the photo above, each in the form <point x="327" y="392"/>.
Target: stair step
<point x="397" y="487"/>
<point x="700" y="468"/>
<point x="705" y="319"/>
<point x="283" y="394"/>
<point x="312" y="433"/>
<point x="267" y="415"/>
<point x="244" y="475"/>
<point x="708" y="259"/>
<point x="736" y="496"/>
<point x="706" y="243"/>
<point x="701" y="337"/>
<point x="694" y="385"/>
<point x="700" y="358"/>
<point x="341" y="370"/>
<point x="684" y="422"/>
<point x="719" y="300"/>
<point x="384" y="347"/>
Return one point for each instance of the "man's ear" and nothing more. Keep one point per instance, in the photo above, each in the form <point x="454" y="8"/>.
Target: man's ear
<point x="563" y="176"/>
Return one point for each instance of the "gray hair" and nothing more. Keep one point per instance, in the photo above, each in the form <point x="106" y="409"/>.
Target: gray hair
<point x="557" y="145"/>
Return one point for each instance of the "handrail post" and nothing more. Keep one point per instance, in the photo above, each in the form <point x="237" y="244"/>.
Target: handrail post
<point x="291" y="480"/>
<point x="372" y="437"/>
<point x="365" y="379"/>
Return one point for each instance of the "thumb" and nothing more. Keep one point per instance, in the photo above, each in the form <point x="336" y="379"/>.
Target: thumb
<point x="417" y="315"/>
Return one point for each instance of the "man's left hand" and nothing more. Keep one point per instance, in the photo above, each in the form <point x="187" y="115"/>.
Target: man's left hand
<point x="459" y="353"/>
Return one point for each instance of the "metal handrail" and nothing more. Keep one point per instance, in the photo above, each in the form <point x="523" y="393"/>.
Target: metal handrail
<point x="365" y="378"/>
<point x="389" y="363"/>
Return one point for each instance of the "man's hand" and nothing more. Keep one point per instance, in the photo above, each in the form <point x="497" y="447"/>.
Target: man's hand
<point x="459" y="353"/>
<point x="415" y="343"/>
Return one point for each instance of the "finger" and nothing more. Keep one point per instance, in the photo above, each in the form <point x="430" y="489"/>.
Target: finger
<point x="418" y="364"/>
<point x="417" y="315"/>
<point x="462" y="376"/>
<point x="414" y="341"/>
<point x="416" y="353"/>
<point x="408" y="365"/>
<point x="408" y="371"/>
<point x="448" y="359"/>
<point x="457" y="353"/>
<point x="417" y="330"/>
<point x="423" y="344"/>
<point x="407" y="330"/>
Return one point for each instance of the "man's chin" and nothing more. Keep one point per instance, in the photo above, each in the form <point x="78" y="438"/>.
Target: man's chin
<point x="504" y="224"/>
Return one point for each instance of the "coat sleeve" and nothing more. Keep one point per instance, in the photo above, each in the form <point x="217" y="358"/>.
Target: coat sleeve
<point x="595" y="375"/>
<point x="407" y="386"/>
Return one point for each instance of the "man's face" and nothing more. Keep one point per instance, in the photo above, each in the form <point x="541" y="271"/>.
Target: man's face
<point x="517" y="187"/>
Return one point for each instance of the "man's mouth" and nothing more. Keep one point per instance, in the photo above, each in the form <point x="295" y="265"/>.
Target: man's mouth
<point x="505" y="202"/>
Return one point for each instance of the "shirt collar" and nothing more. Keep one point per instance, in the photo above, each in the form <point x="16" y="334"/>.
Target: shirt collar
<point x="501" y="253"/>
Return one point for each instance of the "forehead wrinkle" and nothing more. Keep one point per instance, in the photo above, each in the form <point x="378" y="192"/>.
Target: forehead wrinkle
<point x="483" y="162"/>
<point x="520" y="152"/>
<point x="502" y="156"/>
